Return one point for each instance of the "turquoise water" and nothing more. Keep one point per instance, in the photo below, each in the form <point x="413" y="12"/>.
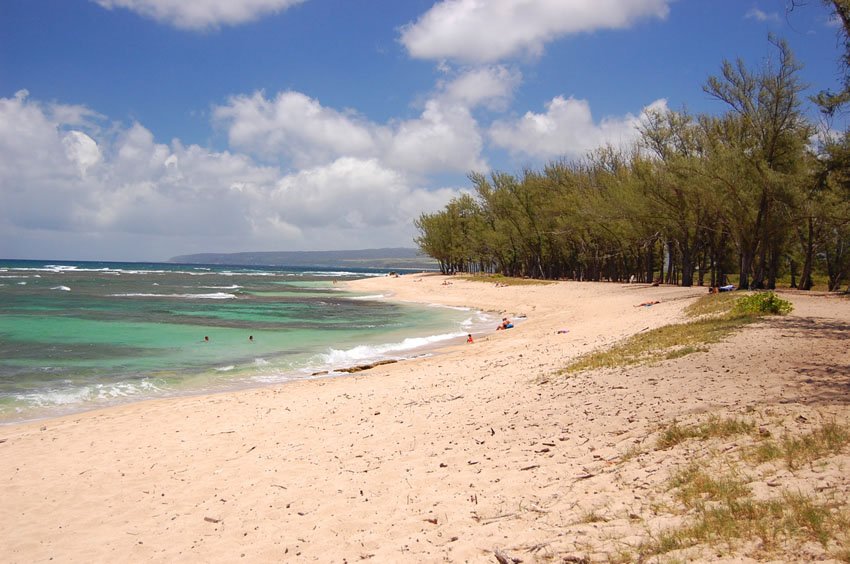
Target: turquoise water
<point x="76" y="336"/>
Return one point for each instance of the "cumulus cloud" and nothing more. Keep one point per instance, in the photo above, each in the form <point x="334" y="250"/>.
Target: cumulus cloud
<point x="78" y="194"/>
<point x="566" y="129"/>
<point x="444" y="138"/>
<point x="201" y="14"/>
<point x="491" y="86"/>
<point x="301" y="131"/>
<point x="486" y="31"/>
<point x="295" y="126"/>
<point x="82" y="150"/>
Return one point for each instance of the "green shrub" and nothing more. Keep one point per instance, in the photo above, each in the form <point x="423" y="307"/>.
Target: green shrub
<point x="762" y="303"/>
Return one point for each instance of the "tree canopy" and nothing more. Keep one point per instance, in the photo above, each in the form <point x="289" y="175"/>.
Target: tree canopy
<point x="744" y="197"/>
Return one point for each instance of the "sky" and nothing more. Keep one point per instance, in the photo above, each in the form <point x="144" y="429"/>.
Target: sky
<point x="137" y="130"/>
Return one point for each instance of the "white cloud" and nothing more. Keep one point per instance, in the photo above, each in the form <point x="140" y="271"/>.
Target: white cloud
<point x="356" y="190"/>
<point x="75" y="194"/>
<point x="444" y="138"/>
<point x="298" y="129"/>
<point x="486" y="31"/>
<point x="82" y="150"/>
<point x="566" y="129"/>
<point x="491" y="86"/>
<point x="201" y="14"/>
<point x="762" y="16"/>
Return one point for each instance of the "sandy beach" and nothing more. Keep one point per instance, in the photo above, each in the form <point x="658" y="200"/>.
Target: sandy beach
<point x="481" y="449"/>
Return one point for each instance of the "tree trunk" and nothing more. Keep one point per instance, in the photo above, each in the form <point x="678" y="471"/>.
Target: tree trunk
<point x="806" y="281"/>
<point x="746" y="263"/>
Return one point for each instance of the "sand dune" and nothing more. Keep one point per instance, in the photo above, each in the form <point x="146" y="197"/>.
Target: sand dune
<point x="446" y="458"/>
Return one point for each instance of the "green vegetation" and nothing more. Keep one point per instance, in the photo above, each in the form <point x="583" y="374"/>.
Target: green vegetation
<point x="771" y="522"/>
<point x="762" y="303"/>
<point x="671" y="341"/>
<point x="695" y="486"/>
<point x="722" y="510"/>
<point x="698" y="198"/>
<point x="505" y="280"/>
<point x="674" y="434"/>
<point x="712" y="305"/>
<point x="829" y="439"/>
<point x="717" y="316"/>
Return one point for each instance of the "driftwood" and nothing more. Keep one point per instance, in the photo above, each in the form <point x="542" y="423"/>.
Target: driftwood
<point x="505" y="558"/>
<point x="357" y="368"/>
<point x="362" y="367"/>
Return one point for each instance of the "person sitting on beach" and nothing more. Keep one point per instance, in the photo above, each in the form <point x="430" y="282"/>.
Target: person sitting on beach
<point x="469" y="338"/>
<point x="726" y="288"/>
<point x="505" y="324"/>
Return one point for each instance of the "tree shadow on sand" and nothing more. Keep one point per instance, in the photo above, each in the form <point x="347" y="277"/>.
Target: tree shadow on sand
<point x="825" y="373"/>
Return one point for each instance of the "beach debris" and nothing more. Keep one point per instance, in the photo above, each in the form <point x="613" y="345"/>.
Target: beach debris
<point x="433" y="521"/>
<point x="487" y="520"/>
<point x="532" y="467"/>
<point x="212" y="520"/>
<point x="562" y="331"/>
<point x="504" y="558"/>
<point x="362" y="367"/>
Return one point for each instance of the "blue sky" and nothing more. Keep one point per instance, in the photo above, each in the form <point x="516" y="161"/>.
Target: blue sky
<point x="143" y="129"/>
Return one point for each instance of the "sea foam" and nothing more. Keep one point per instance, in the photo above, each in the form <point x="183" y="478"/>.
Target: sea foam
<point x="368" y="353"/>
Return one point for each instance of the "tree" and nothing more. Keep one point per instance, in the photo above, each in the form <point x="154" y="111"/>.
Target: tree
<point x="757" y="148"/>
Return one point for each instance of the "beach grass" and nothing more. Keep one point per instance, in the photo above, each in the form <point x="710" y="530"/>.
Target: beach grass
<point x="714" y="318"/>
<point x="715" y="427"/>
<point x="722" y="512"/>
<point x="664" y="343"/>
<point x="830" y="438"/>
<point x="505" y="280"/>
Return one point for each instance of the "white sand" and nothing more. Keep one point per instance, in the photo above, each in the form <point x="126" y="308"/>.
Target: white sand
<point x="446" y="458"/>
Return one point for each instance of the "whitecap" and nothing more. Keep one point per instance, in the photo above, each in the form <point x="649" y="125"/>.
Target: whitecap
<point x="366" y="353"/>
<point x="63" y="288"/>
<point x="456" y="308"/>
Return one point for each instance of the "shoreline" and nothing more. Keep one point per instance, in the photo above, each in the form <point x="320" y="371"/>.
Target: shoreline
<point x="434" y="458"/>
<point x="381" y="351"/>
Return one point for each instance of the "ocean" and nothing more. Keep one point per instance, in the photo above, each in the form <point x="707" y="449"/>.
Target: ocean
<point x="76" y="336"/>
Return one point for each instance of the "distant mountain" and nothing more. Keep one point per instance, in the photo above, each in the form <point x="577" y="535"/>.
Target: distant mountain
<point x="389" y="259"/>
